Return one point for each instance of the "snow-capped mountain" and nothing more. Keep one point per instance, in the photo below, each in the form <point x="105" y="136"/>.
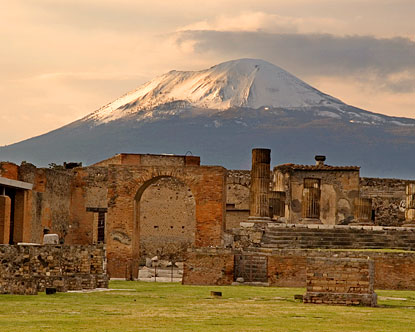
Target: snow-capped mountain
<point x="222" y="112"/>
<point x="245" y="83"/>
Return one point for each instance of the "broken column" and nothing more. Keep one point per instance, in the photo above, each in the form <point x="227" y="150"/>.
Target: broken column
<point x="410" y="204"/>
<point x="260" y="181"/>
<point x="5" y="210"/>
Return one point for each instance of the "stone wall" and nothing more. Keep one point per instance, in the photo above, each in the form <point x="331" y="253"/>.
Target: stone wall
<point x="50" y="200"/>
<point x="167" y="220"/>
<point x="28" y="269"/>
<point x="287" y="267"/>
<point x="208" y="266"/>
<point x="338" y="189"/>
<point x="88" y="193"/>
<point x="237" y="197"/>
<point x="126" y="185"/>
<point x="388" y="199"/>
<point x="344" y="281"/>
<point x="393" y="270"/>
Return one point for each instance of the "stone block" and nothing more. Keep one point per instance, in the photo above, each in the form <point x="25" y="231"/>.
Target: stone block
<point x="51" y="239"/>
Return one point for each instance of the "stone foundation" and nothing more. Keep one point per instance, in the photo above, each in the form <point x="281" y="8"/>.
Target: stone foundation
<point x="343" y="281"/>
<point x="297" y="236"/>
<point x="28" y="269"/>
<point x="287" y="267"/>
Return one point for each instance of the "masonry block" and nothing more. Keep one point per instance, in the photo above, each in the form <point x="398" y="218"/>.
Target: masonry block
<point x="340" y="281"/>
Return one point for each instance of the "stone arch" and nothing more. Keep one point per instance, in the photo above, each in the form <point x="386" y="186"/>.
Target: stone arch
<point x="127" y="183"/>
<point x="165" y="216"/>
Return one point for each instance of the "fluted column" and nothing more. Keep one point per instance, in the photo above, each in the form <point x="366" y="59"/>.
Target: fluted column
<point x="260" y="181"/>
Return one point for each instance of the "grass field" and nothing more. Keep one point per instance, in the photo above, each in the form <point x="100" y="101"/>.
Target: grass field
<point x="137" y="306"/>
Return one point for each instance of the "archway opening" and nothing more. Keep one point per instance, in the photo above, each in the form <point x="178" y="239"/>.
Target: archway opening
<point x="165" y="219"/>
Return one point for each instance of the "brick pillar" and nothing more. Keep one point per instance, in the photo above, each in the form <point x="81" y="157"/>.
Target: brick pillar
<point x="410" y="204"/>
<point x="5" y="210"/>
<point x="22" y="216"/>
<point x="260" y="180"/>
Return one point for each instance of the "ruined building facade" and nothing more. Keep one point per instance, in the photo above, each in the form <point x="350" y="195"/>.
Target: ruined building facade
<point x="143" y="205"/>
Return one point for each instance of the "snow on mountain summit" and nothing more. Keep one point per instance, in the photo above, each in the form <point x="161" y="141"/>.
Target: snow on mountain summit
<point x="249" y="83"/>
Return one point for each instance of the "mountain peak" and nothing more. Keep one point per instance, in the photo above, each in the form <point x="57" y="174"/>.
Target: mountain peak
<point x="249" y="83"/>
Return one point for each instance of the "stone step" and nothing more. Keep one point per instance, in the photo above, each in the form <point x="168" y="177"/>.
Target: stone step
<point x="159" y="272"/>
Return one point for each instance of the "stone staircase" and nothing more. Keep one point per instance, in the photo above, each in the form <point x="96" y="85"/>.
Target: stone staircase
<point x="341" y="237"/>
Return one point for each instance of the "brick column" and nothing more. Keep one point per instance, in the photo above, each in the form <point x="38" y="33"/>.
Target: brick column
<point x="260" y="180"/>
<point x="5" y="210"/>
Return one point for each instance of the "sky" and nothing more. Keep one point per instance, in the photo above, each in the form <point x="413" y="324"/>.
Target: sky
<point x="63" y="59"/>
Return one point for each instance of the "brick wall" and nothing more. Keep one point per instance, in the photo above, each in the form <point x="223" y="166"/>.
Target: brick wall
<point x="167" y="220"/>
<point x="209" y="266"/>
<point x="126" y="185"/>
<point x="345" y="281"/>
<point x="27" y="269"/>
<point x="287" y="267"/>
<point x="9" y="170"/>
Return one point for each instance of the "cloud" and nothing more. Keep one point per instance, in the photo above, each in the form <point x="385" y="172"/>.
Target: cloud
<point x="391" y="60"/>
<point x="265" y="22"/>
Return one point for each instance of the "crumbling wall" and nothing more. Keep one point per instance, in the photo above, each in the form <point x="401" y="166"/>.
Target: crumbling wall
<point x="28" y="269"/>
<point x="50" y="200"/>
<point x="88" y="190"/>
<point x="388" y="199"/>
<point x="9" y="170"/>
<point x="237" y="197"/>
<point x="287" y="267"/>
<point x="209" y="266"/>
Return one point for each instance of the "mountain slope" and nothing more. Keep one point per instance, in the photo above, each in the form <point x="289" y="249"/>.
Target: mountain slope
<point x="221" y="113"/>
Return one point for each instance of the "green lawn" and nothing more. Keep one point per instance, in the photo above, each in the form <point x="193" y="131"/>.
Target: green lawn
<point x="137" y="306"/>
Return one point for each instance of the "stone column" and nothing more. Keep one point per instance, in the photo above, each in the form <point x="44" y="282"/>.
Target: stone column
<point x="260" y="181"/>
<point x="410" y="204"/>
<point x="5" y="210"/>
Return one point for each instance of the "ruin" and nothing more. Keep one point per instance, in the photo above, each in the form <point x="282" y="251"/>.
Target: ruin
<point x="344" y="281"/>
<point x="254" y="226"/>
